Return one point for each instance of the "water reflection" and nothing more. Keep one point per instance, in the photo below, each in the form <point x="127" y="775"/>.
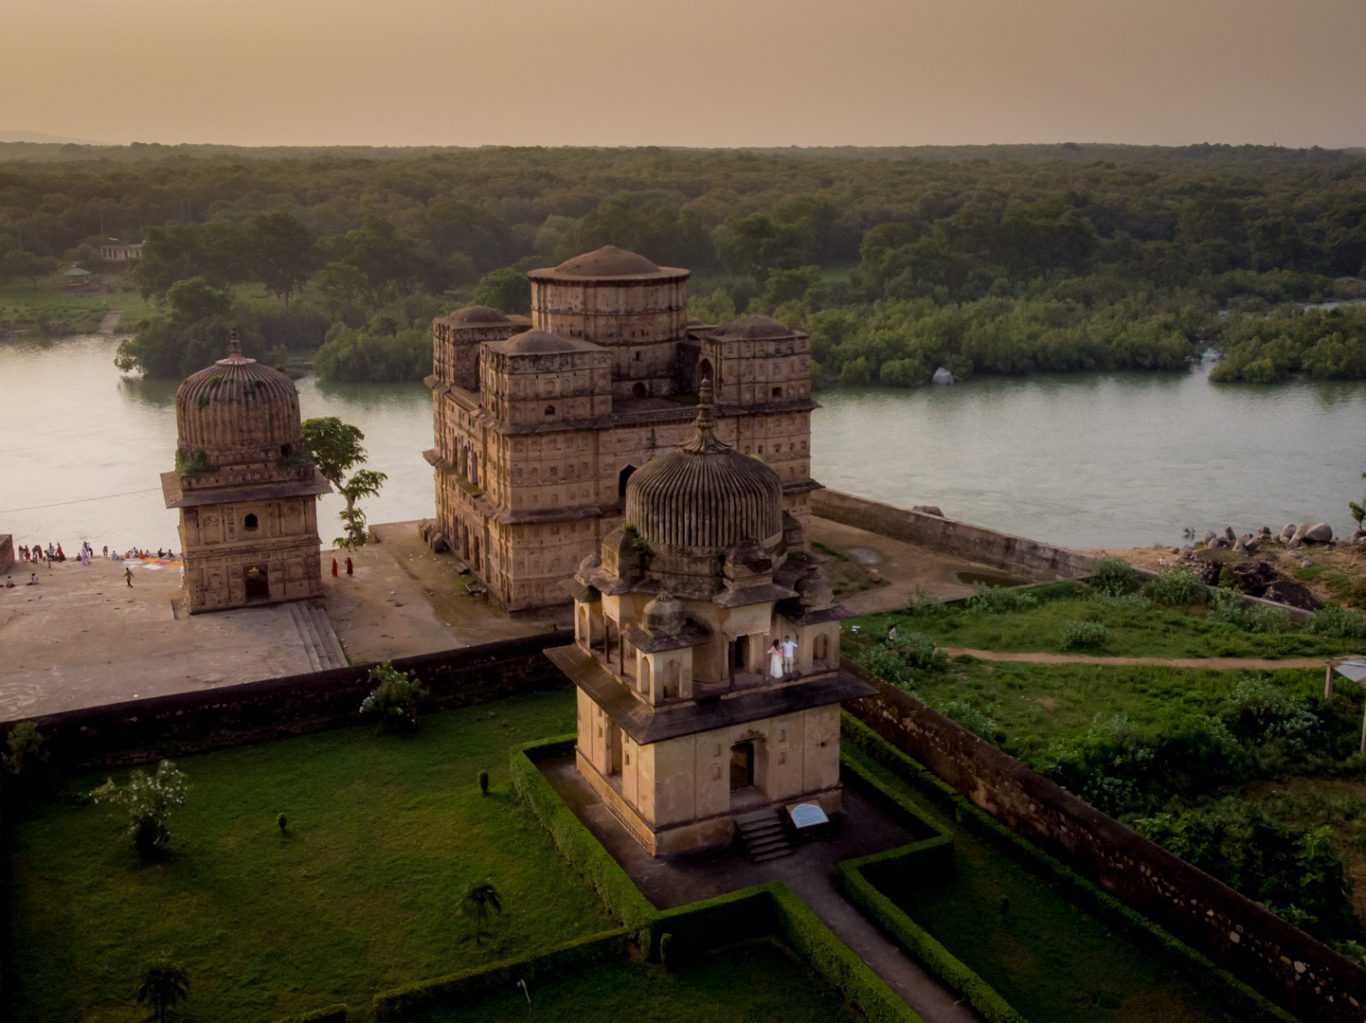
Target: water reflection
<point x="1089" y="460"/>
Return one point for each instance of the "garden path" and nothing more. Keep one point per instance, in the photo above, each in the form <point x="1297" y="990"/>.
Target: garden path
<point x="1217" y="663"/>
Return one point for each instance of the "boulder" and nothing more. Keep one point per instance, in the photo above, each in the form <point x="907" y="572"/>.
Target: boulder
<point x="1319" y="532"/>
<point x="1216" y="543"/>
<point x="1229" y="534"/>
<point x="928" y="509"/>
<point x="1187" y="551"/>
<point x="1252" y="577"/>
<point x="1287" y="591"/>
<point x="1208" y="538"/>
<point x="1208" y="571"/>
<point x="1287" y="531"/>
<point x="1264" y="531"/>
<point x="943" y="377"/>
<point x="439" y="544"/>
<point x="1240" y="546"/>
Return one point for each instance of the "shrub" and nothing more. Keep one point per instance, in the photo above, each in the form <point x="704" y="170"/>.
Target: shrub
<point x="282" y="822"/>
<point x="394" y="698"/>
<point x="919" y="652"/>
<point x="148" y="801"/>
<point x="976" y="721"/>
<point x="886" y="664"/>
<point x="25" y="757"/>
<point x="1085" y="636"/>
<point x="1259" y="618"/>
<point x="1226" y="606"/>
<point x="1338" y="622"/>
<point x="999" y="600"/>
<point x="483" y="783"/>
<point x="1132" y="603"/>
<point x="1114" y="576"/>
<point x="1179" y="587"/>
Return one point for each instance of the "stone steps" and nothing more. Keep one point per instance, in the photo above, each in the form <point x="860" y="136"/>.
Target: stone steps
<point x="332" y="655"/>
<point x="762" y="834"/>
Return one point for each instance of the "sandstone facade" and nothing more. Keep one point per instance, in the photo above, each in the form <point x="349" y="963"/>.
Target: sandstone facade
<point x="538" y="423"/>
<point x="246" y="490"/>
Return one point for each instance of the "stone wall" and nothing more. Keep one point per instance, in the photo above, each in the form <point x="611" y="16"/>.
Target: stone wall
<point x="6" y="552"/>
<point x="1280" y="960"/>
<point x="1015" y="554"/>
<point x="139" y="731"/>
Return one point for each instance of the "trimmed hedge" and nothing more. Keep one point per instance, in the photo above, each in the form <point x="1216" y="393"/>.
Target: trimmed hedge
<point x="576" y="843"/>
<point x="1183" y="959"/>
<point x="327" y="1014"/>
<point x="594" y="950"/>
<point x="913" y="939"/>
<point x="693" y="928"/>
<point x="803" y="932"/>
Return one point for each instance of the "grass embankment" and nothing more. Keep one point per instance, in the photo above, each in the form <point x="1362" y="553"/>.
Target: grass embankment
<point x="54" y="310"/>
<point x="1136" y="627"/>
<point x="1050" y="959"/>
<point x="384" y="833"/>
<point x="759" y="980"/>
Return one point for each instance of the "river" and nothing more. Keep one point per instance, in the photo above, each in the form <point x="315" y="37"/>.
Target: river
<point x="1082" y="460"/>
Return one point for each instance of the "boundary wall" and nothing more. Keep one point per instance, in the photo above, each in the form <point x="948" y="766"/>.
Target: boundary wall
<point x="1278" y="959"/>
<point x="1017" y="554"/>
<point x="141" y="731"/>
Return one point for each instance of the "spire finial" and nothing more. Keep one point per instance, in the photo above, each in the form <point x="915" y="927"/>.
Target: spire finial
<point x="705" y="439"/>
<point x="234" y="343"/>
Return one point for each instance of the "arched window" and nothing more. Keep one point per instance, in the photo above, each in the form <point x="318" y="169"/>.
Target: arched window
<point x="249" y="523"/>
<point x="638" y="390"/>
<point x="622" y="477"/>
<point x="777" y="392"/>
<point x="550" y="410"/>
<point x="705" y="372"/>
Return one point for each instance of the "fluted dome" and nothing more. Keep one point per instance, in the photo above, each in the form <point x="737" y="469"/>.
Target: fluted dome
<point x="238" y="405"/>
<point x="541" y="342"/>
<point x="706" y="494"/>
<point x="663" y="616"/>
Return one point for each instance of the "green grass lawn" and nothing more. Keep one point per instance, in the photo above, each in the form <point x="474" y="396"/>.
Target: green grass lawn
<point x="1137" y="629"/>
<point x="1051" y="960"/>
<point x="66" y="311"/>
<point x="361" y="895"/>
<point x="756" y="982"/>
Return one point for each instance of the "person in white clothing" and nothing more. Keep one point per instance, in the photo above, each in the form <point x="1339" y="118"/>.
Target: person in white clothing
<point x="789" y="656"/>
<point x="775" y="660"/>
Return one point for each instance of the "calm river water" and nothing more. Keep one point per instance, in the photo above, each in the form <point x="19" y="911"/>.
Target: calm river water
<point x="1086" y="461"/>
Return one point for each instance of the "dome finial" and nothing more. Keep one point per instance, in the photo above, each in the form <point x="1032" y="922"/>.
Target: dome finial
<point x="234" y="343"/>
<point x="705" y="440"/>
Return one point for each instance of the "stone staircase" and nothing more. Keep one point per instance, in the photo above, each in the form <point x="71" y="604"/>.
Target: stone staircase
<point x="762" y="834"/>
<point x="321" y="646"/>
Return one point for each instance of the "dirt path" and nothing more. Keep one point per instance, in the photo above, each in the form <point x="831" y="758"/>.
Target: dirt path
<point x="110" y="321"/>
<point x="1217" y="663"/>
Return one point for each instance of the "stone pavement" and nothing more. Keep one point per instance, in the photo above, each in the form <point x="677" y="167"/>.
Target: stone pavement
<point x="808" y="872"/>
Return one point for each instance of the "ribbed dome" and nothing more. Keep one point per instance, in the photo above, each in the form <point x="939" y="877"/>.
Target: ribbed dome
<point x="706" y="494"/>
<point x="237" y="404"/>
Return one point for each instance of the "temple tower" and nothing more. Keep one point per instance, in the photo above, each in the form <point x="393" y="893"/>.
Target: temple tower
<point x="245" y="486"/>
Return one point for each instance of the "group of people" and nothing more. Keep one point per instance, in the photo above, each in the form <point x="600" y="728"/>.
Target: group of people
<point x="782" y="658"/>
<point x="32" y="580"/>
<point x="54" y="552"/>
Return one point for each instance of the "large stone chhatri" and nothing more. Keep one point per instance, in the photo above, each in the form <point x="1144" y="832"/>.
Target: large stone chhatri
<point x="682" y="722"/>
<point x="245" y="487"/>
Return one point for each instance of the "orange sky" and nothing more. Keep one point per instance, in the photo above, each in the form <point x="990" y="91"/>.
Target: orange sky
<point x="696" y="72"/>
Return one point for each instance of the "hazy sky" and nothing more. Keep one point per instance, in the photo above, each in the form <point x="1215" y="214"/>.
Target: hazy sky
<point x="695" y="72"/>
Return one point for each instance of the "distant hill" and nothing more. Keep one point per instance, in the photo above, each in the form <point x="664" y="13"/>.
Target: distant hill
<point x="42" y="136"/>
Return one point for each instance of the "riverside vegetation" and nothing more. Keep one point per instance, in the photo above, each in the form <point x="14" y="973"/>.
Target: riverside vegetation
<point x="983" y="260"/>
<point x="1250" y="774"/>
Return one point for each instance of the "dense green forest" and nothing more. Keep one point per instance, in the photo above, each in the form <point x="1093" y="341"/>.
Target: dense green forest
<point x="983" y="260"/>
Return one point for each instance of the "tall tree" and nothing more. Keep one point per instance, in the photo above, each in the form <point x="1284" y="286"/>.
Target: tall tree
<point x="336" y="450"/>
<point x="280" y="252"/>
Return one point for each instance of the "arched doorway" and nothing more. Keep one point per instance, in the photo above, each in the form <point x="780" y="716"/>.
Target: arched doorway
<point x="742" y="765"/>
<point x="257" y="579"/>
<point x="622" y="477"/>
<point x="705" y="372"/>
<point x="638" y="390"/>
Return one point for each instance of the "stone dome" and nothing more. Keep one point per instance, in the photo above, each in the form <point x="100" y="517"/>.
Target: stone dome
<point x="608" y="261"/>
<point x="239" y="405"/>
<point x="753" y="328"/>
<point x="705" y="494"/>
<point x="814" y="591"/>
<point x="477" y="315"/>
<point x="663" y="616"/>
<point x="540" y="342"/>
